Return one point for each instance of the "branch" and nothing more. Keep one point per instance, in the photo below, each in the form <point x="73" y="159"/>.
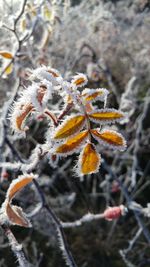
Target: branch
<point x="86" y="218"/>
<point x="16" y="247"/>
<point x="57" y="224"/>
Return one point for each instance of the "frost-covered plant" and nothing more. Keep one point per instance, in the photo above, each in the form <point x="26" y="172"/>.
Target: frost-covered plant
<point x="78" y="131"/>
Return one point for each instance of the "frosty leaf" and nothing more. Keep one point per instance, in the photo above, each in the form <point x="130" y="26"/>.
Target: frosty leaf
<point x="89" y="160"/>
<point x="91" y="95"/>
<point x="72" y="144"/>
<point x="40" y="93"/>
<point x="88" y="107"/>
<point x="9" y="69"/>
<point x="6" y="54"/>
<point x="79" y="80"/>
<point x="110" y="139"/>
<point x="55" y="73"/>
<point x="18" y="184"/>
<point x="21" y="114"/>
<point x="48" y="14"/>
<point x="70" y="127"/>
<point x="45" y="39"/>
<point x="23" y="24"/>
<point x="16" y="216"/>
<point x="105" y="116"/>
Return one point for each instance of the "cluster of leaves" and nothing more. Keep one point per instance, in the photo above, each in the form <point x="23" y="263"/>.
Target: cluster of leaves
<point x="77" y="132"/>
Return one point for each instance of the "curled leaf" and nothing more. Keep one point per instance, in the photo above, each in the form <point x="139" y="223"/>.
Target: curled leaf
<point x="40" y="93"/>
<point x="72" y="144"/>
<point x="6" y="54"/>
<point x="105" y="116"/>
<point x="110" y="139"/>
<point x="18" y="184"/>
<point x="89" y="160"/>
<point x="20" y="113"/>
<point x="70" y="127"/>
<point x="14" y="214"/>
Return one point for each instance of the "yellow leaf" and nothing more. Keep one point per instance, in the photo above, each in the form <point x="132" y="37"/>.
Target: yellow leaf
<point x="92" y="96"/>
<point x="72" y="144"/>
<point x="109" y="138"/>
<point x="6" y="54"/>
<point x="9" y="69"/>
<point x="70" y="127"/>
<point x="23" y="24"/>
<point x="89" y="160"/>
<point x="45" y="39"/>
<point x="49" y="14"/>
<point x="105" y="116"/>
<point x="69" y="99"/>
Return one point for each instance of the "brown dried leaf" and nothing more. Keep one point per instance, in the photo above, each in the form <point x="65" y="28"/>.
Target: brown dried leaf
<point x="16" y="215"/>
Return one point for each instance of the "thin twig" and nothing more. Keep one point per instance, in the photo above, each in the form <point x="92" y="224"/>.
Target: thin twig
<point x="128" y="199"/>
<point x="61" y="235"/>
<point x="16" y="247"/>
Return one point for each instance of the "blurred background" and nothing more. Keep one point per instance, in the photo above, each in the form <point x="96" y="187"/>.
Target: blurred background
<point x="109" y="40"/>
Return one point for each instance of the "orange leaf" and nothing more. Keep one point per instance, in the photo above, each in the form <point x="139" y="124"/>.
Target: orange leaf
<point x="70" y="127"/>
<point x="109" y="138"/>
<point x="79" y="80"/>
<point x="53" y="72"/>
<point x="89" y="160"/>
<point x="6" y="54"/>
<point x="91" y="95"/>
<point x="24" y="111"/>
<point x="14" y="214"/>
<point x="105" y="116"/>
<point x="18" y="184"/>
<point x="72" y="144"/>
